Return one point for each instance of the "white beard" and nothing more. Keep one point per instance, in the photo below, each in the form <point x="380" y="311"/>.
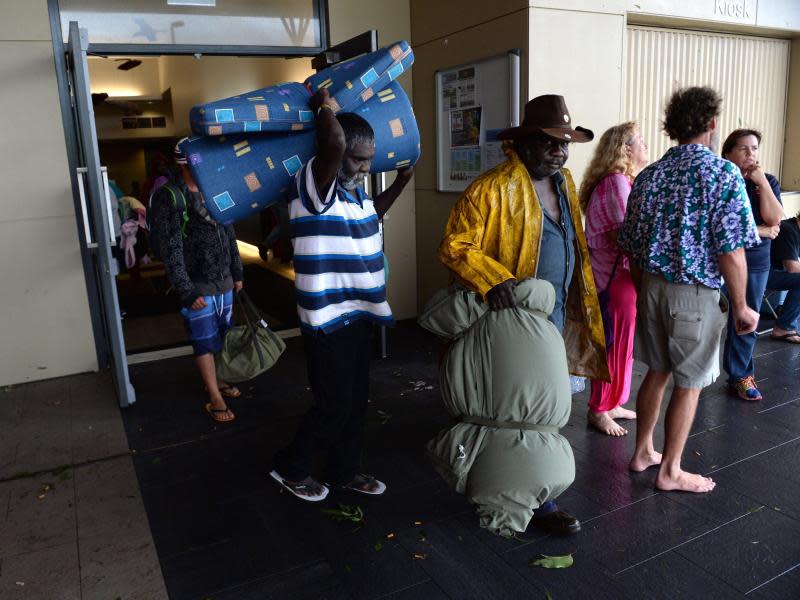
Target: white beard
<point x="349" y="183"/>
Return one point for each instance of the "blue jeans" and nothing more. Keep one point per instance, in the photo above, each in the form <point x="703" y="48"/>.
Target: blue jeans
<point x="737" y="357"/>
<point x="783" y="280"/>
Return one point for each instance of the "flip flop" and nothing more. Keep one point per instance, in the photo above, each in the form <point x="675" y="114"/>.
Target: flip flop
<point x="787" y="337"/>
<point x="213" y="412"/>
<point x="230" y="391"/>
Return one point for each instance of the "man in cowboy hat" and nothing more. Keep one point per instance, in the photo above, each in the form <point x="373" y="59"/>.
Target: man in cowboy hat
<point x="522" y="219"/>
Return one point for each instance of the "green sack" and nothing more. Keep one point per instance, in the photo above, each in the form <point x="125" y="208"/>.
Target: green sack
<point x="250" y="349"/>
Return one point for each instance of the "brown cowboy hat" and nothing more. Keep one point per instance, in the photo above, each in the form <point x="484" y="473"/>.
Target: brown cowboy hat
<point x="549" y="115"/>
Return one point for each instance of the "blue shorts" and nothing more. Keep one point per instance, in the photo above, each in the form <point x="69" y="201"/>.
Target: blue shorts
<point x="207" y="327"/>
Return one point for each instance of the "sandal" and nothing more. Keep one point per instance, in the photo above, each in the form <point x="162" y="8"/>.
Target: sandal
<point x="789" y="338"/>
<point x="365" y="484"/>
<point x="308" y="489"/>
<point x="215" y="412"/>
<point x="229" y="391"/>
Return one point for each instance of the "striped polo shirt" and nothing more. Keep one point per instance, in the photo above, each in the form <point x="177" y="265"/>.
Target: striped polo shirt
<point x="338" y="256"/>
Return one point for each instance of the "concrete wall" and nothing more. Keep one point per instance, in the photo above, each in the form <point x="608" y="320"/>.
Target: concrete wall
<point x="446" y="34"/>
<point x="592" y="83"/>
<point x="790" y="176"/>
<point x="45" y="324"/>
<point x="392" y="20"/>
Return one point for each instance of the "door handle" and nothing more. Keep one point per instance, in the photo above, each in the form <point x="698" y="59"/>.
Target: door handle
<point x="84" y="212"/>
<point x="112" y="238"/>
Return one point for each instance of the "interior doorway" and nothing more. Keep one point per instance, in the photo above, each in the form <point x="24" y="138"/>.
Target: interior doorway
<point x="90" y="179"/>
<point x="141" y="107"/>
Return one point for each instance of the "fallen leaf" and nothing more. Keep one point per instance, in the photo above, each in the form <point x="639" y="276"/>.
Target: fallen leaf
<point x="345" y="512"/>
<point x="553" y="562"/>
<point x="755" y="509"/>
<point x="46" y="487"/>
<point x="420" y="556"/>
<point x="378" y="546"/>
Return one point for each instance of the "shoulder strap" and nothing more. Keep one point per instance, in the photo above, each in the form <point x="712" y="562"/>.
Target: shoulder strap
<point x="183" y="208"/>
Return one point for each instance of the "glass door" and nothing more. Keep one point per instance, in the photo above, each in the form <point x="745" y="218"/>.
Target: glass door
<point x="96" y="217"/>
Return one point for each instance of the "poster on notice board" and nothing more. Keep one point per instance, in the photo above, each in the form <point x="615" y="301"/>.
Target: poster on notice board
<point x="474" y="103"/>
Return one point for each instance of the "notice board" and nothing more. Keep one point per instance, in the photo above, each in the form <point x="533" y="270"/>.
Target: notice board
<point x="474" y="102"/>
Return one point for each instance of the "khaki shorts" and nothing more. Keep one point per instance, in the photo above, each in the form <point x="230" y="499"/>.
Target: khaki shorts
<point x="678" y="330"/>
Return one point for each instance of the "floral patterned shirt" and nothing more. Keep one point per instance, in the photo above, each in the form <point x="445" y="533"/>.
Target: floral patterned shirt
<point x="683" y="212"/>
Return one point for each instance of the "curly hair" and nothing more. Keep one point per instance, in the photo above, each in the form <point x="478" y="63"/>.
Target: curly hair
<point x="609" y="157"/>
<point x="689" y="112"/>
<point x="730" y="142"/>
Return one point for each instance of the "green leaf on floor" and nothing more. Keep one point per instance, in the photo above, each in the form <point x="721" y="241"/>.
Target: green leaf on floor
<point x="345" y="512"/>
<point x="378" y="546"/>
<point x="384" y="416"/>
<point x="755" y="509"/>
<point x="553" y="562"/>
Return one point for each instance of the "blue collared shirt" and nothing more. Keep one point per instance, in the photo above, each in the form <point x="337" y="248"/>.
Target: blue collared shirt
<point x="557" y="254"/>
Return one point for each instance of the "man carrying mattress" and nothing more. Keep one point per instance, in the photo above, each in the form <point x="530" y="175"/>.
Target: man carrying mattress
<point x="522" y="220"/>
<point x="341" y="292"/>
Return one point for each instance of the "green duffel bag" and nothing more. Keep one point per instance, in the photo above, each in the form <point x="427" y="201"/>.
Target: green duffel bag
<point x="249" y="349"/>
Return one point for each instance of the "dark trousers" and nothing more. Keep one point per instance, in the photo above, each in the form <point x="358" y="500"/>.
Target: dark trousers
<point x="737" y="357"/>
<point x="783" y="280"/>
<point x="338" y="370"/>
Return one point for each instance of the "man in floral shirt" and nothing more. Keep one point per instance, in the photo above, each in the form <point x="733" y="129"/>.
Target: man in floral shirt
<point x="687" y="224"/>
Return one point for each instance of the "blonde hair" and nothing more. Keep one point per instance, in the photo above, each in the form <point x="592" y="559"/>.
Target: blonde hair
<point x="609" y="157"/>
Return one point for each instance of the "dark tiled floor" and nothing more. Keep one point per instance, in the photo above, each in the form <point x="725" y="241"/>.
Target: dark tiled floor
<point x="224" y="531"/>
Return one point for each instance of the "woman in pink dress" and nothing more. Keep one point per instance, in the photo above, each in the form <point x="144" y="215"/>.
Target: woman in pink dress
<point x="620" y="154"/>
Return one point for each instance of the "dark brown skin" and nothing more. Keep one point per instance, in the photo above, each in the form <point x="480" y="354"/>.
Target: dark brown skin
<point x="543" y="156"/>
<point x="333" y="155"/>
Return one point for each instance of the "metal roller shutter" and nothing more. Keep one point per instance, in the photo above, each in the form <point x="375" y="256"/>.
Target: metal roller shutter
<point x="750" y="73"/>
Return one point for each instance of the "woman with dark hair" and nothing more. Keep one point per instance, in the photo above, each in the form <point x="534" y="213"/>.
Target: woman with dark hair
<point x="618" y="158"/>
<point x="741" y="148"/>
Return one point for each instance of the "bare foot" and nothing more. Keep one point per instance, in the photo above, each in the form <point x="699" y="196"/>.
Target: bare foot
<point x="621" y="413"/>
<point x="605" y="424"/>
<point x="684" y="482"/>
<point x="644" y="460"/>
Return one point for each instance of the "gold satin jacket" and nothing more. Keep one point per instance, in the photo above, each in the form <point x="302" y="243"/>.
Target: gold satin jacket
<point x="495" y="233"/>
